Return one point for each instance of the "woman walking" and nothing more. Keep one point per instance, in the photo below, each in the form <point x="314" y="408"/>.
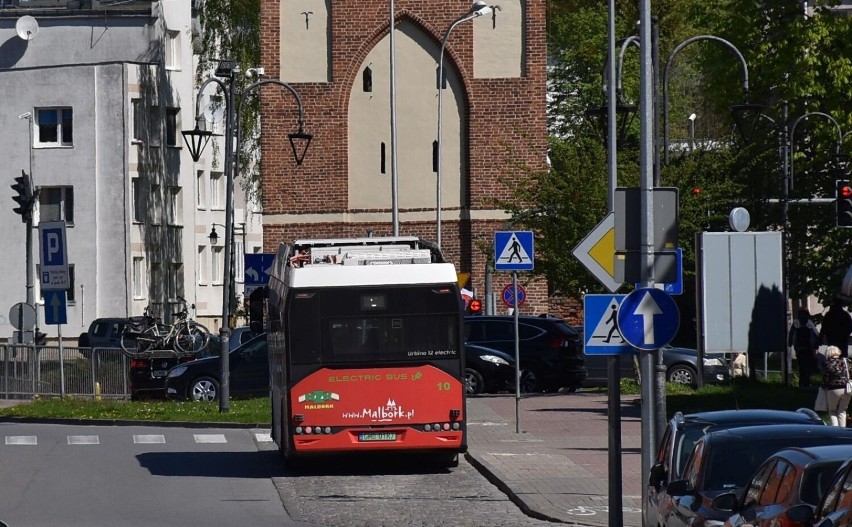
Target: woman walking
<point x="835" y="377"/>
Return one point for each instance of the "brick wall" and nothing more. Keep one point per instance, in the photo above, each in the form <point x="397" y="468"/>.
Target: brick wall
<point x="506" y="126"/>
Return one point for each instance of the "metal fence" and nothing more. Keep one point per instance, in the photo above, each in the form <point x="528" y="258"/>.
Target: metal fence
<point x="28" y="371"/>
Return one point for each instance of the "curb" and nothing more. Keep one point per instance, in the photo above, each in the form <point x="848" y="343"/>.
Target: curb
<point x="125" y="422"/>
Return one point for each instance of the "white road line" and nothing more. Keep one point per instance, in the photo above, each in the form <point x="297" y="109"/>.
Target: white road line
<point x="21" y="440"/>
<point x="263" y="438"/>
<point x="148" y="439"/>
<point x="210" y="438"/>
<point x="84" y="440"/>
<point x="488" y="424"/>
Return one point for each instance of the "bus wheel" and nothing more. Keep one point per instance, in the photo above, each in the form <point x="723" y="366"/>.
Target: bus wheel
<point x="450" y="460"/>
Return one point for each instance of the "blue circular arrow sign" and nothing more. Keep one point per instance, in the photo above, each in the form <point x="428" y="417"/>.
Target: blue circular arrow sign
<point x="648" y="318"/>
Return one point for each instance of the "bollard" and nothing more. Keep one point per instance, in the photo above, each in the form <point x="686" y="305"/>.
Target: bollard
<point x="97" y="391"/>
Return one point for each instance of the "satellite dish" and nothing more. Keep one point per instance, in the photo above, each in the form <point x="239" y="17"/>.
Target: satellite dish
<point x="26" y="27"/>
<point x="214" y="112"/>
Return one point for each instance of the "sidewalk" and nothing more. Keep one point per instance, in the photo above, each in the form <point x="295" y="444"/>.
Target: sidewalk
<point x="556" y="468"/>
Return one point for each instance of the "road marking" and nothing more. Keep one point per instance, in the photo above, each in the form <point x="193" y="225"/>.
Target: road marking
<point x="488" y="424"/>
<point x="263" y="438"/>
<point x="84" y="440"/>
<point x="210" y="438"/>
<point x="21" y="440"/>
<point x="148" y="439"/>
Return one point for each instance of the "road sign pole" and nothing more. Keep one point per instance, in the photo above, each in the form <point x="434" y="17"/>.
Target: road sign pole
<point x="517" y="356"/>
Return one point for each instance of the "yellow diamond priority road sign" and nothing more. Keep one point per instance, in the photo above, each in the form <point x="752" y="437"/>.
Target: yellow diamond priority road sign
<point x="597" y="253"/>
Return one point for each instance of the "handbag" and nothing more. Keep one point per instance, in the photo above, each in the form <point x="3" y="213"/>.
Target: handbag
<point x="821" y="403"/>
<point x="848" y="388"/>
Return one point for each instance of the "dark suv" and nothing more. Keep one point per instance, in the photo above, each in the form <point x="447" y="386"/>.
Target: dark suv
<point x="551" y="351"/>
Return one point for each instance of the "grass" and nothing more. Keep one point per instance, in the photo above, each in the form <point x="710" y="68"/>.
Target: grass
<point x="242" y="411"/>
<point x="740" y="393"/>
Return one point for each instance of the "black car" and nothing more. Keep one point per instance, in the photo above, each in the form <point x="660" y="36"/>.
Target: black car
<point x="724" y="461"/>
<point x="834" y="508"/>
<point x="199" y="380"/>
<point x="683" y="431"/>
<point x="147" y="371"/>
<point x="551" y="352"/>
<point x="681" y="366"/>
<point x="487" y="370"/>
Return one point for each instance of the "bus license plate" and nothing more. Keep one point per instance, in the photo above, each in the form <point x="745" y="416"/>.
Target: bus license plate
<point x="377" y="436"/>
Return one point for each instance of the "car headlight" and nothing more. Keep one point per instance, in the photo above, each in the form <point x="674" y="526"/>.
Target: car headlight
<point x="494" y="359"/>
<point x="177" y="371"/>
<point x="713" y="362"/>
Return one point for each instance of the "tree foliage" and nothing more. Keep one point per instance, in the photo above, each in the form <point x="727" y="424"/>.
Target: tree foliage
<point x="230" y="29"/>
<point x="801" y="60"/>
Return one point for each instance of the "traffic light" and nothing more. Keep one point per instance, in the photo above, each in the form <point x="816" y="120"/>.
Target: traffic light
<point x="475" y="307"/>
<point x="843" y="196"/>
<point x="25" y="197"/>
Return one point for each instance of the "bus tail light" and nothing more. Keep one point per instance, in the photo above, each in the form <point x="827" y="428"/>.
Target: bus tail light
<point x="298" y="418"/>
<point x="454" y="414"/>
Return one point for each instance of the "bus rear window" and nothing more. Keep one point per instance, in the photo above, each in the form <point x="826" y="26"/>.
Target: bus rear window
<point x="392" y="324"/>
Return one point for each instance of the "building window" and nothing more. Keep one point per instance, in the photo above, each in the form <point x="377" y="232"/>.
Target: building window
<point x="175" y="282"/>
<point x="217" y="190"/>
<point x="156" y="212"/>
<point x="367" y="79"/>
<point x="138" y="120"/>
<point x="157" y="282"/>
<point x="172" y="124"/>
<point x="202" y="265"/>
<point x="154" y="126"/>
<point x="56" y="204"/>
<point x="216" y="265"/>
<point x="173" y="50"/>
<point x="239" y="260"/>
<point x="138" y="277"/>
<point x="199" y="189"/>
<point x="175" y="206"/>
<point x="138" y="201"/>
<point x="55" y="127"/>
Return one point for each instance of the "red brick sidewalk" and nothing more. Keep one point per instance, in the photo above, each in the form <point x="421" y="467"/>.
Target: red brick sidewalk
<point x="556" y="468"/>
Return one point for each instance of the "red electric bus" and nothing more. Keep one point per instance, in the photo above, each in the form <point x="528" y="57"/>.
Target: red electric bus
<point x="366" y="349"/>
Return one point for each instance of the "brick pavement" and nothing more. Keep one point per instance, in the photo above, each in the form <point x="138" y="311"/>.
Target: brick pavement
<point x="557" y="467"/>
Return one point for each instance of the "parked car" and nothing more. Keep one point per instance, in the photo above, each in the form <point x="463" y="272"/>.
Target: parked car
<point x="241" y="335"/>
<point x="551" y="351"/>
<point x="102" y="333"/>
<point x="681" y="366"/>
<point x="724" y="461"/>
<point x="147" y="371"/>
<point x="487" y="370"/>
<point x="788" y="478"/>
<point x="835" y="507"/>
<point x="683" y="431"/>
<point x="199" y="380"/>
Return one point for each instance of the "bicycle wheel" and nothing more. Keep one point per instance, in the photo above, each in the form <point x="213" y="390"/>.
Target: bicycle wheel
<point x="145" y="341"/>
<point x="191" y="338"/>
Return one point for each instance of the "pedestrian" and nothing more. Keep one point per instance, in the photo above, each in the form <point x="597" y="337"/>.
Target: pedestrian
<point x="805" y="341"/>
<point x="835" y="381"/>
<point x="836" y="327"/>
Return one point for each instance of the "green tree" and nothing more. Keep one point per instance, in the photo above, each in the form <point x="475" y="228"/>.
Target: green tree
<point x="230" y="29"/>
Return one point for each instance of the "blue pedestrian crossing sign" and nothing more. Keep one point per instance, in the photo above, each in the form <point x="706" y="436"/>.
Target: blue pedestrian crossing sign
<point x="648" y="318"/>
<point x="600" y="326"/>
<point x="513" y="251"/>
<point x="55" y="311"/>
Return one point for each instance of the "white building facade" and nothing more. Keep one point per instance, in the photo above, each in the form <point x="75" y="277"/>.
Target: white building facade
<point x="93" y="108"/>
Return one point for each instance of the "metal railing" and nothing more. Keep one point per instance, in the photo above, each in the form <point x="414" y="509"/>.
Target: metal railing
<point x="50" y="371"/>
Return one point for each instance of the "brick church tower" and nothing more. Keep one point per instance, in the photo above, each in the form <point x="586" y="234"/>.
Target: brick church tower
<point x="336" y="55"/>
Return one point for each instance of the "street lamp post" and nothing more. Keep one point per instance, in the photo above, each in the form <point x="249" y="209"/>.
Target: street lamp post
<point x="740" y="111"/>
<point x="196" y="140"/>
<point x="478" y="8"/>
<point x="786" y="150"/>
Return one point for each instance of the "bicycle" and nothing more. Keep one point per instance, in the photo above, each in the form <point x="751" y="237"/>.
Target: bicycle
<point x="184" y="336"/>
